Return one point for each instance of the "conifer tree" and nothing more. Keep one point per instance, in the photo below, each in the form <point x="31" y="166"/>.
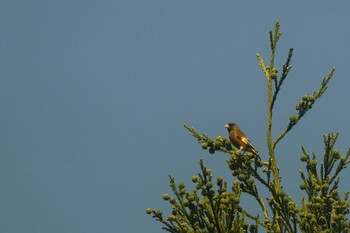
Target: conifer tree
<point x="214" y="206"/>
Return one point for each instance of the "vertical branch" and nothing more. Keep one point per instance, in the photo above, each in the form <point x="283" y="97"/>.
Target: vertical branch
<point x="274" y="36"/>
<point x="270" y="74"/>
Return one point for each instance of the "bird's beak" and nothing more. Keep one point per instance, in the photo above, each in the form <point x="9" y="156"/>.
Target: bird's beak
<point x="227" y="126"/>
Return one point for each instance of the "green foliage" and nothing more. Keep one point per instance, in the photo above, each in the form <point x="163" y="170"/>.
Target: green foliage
<point x="324" y="208"/>
<point x="213" y="208"/>
<point x="208" y="208"/>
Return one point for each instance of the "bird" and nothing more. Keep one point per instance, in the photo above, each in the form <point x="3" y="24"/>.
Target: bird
<point x="239" y="139"/>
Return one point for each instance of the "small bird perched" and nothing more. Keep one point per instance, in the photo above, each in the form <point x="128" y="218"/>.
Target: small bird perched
<point x="239" y="140"/>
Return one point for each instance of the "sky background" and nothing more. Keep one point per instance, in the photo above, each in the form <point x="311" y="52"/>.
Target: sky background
<point x="93" y="96"/>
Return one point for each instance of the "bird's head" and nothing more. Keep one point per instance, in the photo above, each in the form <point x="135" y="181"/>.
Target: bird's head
<point x="230" y="126"/>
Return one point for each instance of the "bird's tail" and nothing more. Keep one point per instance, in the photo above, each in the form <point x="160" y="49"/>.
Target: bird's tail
<point x="254" y="151"/>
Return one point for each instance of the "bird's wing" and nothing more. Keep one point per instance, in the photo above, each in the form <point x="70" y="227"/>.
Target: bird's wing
<point x="246" y="141"/>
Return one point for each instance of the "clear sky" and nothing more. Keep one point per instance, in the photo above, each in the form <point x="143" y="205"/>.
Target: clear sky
<point x="93" y="96"/>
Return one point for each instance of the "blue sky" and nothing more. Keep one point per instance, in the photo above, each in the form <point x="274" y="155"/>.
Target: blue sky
<point x="94" y="94"/>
